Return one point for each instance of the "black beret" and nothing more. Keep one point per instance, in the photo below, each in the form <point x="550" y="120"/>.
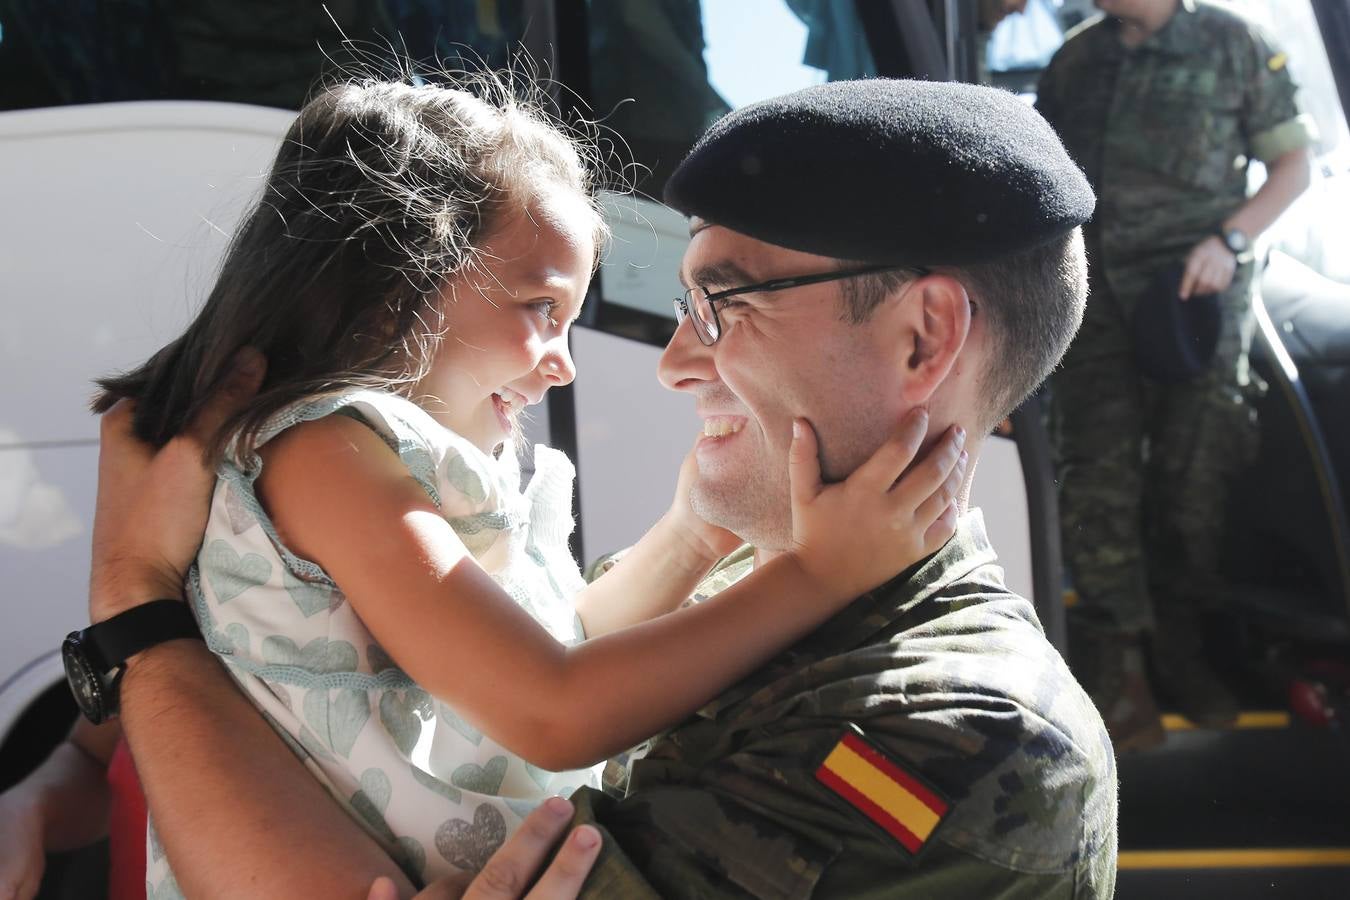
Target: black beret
<point x="1175" y="340"/>
<point x="886" y="171"/>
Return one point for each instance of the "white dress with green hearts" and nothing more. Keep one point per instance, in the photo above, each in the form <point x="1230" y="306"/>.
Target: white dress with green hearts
<point x="437" y="794"/>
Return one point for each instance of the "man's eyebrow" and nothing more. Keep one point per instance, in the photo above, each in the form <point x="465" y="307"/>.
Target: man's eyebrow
<point x="718" y="274"/>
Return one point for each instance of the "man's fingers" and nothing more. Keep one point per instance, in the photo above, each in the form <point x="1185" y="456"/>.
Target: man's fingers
<point x="383" y="889"/>
<point x="513" y="865"/>
<point x="568" y="871"/>
<point x="803" y="463"/>
<point x="885" y="465"/>
<point x="238" y="388"/>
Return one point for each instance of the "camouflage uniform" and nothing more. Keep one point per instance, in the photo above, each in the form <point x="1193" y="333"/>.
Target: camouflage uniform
<point x="1164" y="132"/>
<point x="950" y="675"/>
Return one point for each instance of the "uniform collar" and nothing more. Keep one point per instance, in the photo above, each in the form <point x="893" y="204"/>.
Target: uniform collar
<point x="873" y="613"/>
<point x="1177" y="36"/>
<point x="876" y="610"/>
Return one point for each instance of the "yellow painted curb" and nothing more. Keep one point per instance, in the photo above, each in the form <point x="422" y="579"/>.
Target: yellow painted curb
<point x="1272" y="719"/>
<point x="1284" y="858"/>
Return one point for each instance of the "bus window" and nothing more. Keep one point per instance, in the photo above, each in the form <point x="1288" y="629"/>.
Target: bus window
<point x="661" y="73"/>
<point x="240" y="51"/>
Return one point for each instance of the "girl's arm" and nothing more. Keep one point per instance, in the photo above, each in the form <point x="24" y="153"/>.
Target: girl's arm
<point x="661" y="570"/>
<point x="339" y="496"/>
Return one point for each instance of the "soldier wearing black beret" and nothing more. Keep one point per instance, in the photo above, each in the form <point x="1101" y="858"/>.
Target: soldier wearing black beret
<point x="860" y="249"/>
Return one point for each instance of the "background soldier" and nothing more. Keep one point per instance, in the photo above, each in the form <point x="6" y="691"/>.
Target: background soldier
<point x="1162" y="103"/>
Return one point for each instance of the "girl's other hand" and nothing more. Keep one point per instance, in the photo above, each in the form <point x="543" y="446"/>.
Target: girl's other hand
<point x="853" y="536"/>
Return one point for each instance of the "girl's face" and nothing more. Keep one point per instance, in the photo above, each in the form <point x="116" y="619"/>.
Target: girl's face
<point x="506" y="328"/>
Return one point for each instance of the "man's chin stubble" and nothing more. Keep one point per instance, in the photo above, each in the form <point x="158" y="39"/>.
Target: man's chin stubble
<point x="751" y="518"/>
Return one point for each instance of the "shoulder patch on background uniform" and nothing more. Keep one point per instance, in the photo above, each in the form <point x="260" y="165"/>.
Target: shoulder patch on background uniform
<point x="1276" y="62"/>
<point x="897" y="800"/>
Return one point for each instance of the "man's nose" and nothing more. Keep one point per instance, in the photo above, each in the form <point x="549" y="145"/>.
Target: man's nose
<point x="685" y="362"/>
<point x="557" y="365"/>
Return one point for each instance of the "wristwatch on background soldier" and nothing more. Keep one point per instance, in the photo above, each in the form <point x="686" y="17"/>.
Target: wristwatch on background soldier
<point x="95" y="658"/>
<point x="1237" y="243"/>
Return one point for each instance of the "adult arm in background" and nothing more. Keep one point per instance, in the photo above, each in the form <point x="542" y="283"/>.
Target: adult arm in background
<point x="1210" y="265"/>
<point x="60" y="805"/>
<point x="1277" y="133"/>
<point x="221" y="785"/>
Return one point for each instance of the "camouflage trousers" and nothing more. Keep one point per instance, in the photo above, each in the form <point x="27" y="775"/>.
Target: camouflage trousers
<point x="1143" y="467"/>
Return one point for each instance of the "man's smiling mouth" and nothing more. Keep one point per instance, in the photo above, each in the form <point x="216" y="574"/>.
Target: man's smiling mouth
<point x="722" y="426"/>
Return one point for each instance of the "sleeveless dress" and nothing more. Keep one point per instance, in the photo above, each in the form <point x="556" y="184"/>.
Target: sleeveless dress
<point x="438" y="795"/>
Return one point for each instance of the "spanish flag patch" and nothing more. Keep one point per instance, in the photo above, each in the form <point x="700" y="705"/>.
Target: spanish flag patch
<point x="875" y="785"/>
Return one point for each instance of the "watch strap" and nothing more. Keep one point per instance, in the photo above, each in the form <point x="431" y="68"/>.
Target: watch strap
<point x="128" y="633"/>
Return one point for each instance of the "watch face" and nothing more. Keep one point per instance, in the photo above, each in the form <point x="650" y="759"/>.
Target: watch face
<point x="1236" y="241"/>
<point x="85" y="684"/>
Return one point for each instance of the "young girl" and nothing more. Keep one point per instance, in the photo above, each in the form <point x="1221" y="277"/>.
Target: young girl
<point x="372" y="573"/>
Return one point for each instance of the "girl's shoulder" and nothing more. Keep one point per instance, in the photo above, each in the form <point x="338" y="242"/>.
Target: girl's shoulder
<point x="396" y="419"/>
<point x="459" y="477"/>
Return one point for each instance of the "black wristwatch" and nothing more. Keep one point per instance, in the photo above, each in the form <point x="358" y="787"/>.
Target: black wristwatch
<point x="94" y="658"/>
<point x="1237" y="243"/>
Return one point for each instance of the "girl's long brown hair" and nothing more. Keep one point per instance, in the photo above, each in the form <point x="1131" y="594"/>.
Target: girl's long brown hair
<point x="379" y="193"/>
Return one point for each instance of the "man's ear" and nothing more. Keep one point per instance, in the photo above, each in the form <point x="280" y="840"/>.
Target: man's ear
<point x="935" y="323"/>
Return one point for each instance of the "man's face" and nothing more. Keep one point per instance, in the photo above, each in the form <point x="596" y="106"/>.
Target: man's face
<point x="781" y="355"/>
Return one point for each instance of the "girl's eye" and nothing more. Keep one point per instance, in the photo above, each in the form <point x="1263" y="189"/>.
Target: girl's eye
<point x="544" y="309"/>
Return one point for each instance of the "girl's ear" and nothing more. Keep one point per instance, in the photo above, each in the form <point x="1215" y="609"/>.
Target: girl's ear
<point x="935" y="322"/>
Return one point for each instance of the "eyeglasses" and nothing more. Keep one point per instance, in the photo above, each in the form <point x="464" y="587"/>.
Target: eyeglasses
<point x="699" y="305"/>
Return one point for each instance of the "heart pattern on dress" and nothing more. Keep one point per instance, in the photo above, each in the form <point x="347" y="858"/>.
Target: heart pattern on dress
<point x="320" y="655"/>
<point x="340" y="714"/>
<point x="402" y="714"/>
<point x="238" y="636"/>
<point x="372" y="800"/>
<point x="378" y="659"/>
<point x="539" y="776"/>
<point x="411" y="856"/>
<point x="452" y="718"/>
<point x="431" y="782"/>
<point x="310" y="598"/>
<point x="237" y="511"/>
<point x="481" y="779"/>
<point x="230" y="574"/>
<point x="464" y="479"/>
<point x="470" y="845"/>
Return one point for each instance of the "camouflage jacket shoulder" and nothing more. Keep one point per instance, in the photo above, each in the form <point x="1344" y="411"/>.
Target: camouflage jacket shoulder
<point x="949" y="676"/>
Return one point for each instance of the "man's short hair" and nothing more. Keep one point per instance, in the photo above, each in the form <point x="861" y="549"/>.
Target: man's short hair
<point x="1034" y="303"/>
